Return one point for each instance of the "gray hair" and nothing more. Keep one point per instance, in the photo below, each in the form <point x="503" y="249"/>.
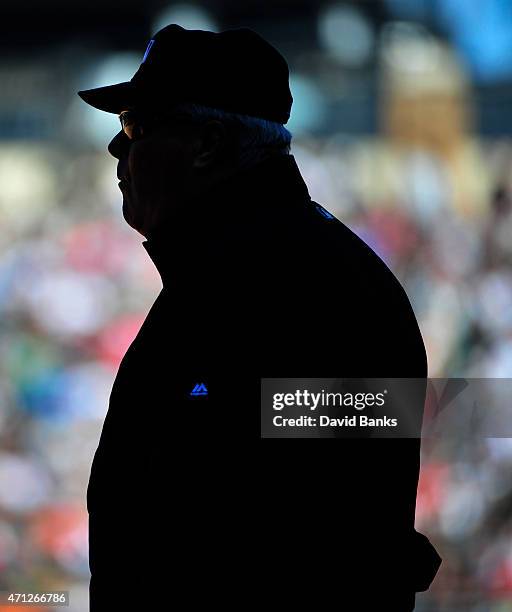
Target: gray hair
<point x="256" y="138"/>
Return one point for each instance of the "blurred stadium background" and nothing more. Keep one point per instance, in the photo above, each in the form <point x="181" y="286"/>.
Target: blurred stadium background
<point x="402" y="126"/>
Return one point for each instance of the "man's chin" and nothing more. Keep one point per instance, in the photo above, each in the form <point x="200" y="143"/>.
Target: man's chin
<point x="131" y="219"/>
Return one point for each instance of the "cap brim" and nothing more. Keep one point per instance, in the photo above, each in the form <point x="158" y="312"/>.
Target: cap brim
<point x="111" y="98"/>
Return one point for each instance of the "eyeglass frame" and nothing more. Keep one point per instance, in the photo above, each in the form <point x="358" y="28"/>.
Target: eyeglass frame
<point x="142" y="119"/>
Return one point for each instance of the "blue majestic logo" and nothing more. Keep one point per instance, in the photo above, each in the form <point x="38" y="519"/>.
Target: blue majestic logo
<point x="199" y="389"/>
<point x="148" y="49"/>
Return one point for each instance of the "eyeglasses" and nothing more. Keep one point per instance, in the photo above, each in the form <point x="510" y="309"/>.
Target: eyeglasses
<point x="136" y="125"/>
<point x="131" y="124"/>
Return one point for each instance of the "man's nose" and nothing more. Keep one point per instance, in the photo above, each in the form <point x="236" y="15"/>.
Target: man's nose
<point x="119" y="145"/>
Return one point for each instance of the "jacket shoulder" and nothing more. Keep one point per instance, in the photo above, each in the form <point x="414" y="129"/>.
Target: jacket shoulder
<point x="356" y="288"/>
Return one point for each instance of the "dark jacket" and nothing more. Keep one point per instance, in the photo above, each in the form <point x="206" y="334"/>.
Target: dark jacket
<point x="258" y="281"/>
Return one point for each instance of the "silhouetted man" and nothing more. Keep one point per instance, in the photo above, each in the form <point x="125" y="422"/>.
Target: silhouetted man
<point x="258" y="281"/>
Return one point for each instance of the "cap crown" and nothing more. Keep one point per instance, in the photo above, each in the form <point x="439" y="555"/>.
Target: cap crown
<point x="235" y="70"/>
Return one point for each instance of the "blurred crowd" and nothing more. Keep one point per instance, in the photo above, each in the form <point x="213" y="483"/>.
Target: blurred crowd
<point x="429" y="194"/>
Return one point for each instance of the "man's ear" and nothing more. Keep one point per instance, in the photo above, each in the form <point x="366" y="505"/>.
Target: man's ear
<point x="210" y="142"/>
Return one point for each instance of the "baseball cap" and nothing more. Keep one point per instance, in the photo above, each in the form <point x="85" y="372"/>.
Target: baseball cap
<point x="235" y="70"/>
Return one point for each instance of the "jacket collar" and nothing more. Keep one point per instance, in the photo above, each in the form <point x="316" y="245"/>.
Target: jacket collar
<point x="229" y="214"/>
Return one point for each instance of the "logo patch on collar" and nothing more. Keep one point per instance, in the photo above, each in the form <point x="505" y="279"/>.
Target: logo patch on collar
<point x="148" y="49"/>
<point x="323" y="212"/>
